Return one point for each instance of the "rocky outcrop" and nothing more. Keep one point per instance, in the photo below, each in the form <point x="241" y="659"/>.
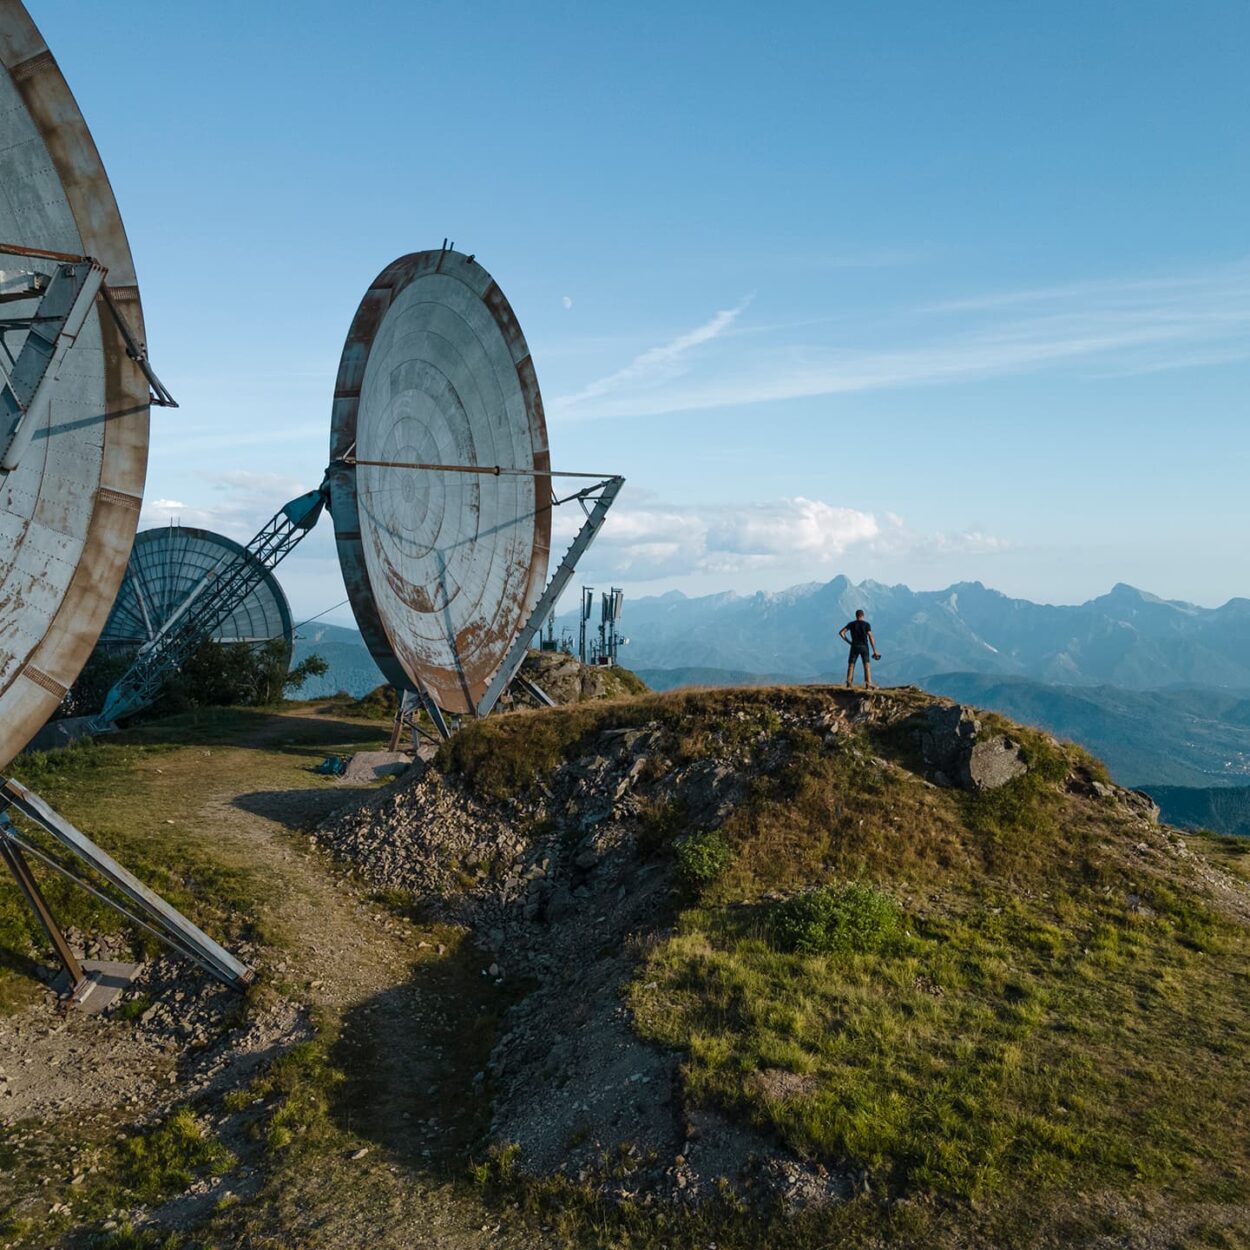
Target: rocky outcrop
<point x="561" y="676"/>
<point x="1137" y="801"/>
<point x="956" y="753"/>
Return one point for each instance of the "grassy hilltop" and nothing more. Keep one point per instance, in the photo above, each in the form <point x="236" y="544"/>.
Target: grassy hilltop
<point x="739" y="966"/>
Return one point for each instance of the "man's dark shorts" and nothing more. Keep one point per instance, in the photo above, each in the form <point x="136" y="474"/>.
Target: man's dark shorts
<point x="859" y="651"/>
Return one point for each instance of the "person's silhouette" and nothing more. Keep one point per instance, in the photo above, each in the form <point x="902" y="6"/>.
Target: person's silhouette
<point x="860" y="639"/>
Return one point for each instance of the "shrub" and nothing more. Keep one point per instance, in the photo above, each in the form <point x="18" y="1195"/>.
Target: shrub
<point x="216" y="674"/>
<point x="702" y="857"/>
<point x="829" y="919"/>
<point x="381" y="703"/>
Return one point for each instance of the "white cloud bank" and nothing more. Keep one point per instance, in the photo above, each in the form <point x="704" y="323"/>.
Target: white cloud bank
<point x="654" y="541"/>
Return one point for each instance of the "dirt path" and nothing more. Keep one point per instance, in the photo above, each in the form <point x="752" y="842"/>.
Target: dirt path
<point x="389" y="992"/>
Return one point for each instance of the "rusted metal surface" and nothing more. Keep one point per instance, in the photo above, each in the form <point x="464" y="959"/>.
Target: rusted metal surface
<point x="68" y="512"/>
<point x="171" y="565"/>
<point x="442" y="567"/>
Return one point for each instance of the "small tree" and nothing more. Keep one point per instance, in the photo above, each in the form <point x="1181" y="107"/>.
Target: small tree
<point x="239" y="674"/>
<point x="86" y="696"/>
<point x="218" y="674"/>
<point x="310" y="666"/>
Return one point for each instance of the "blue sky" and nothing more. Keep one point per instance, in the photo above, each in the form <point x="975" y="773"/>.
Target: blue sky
<point x="909" y="291"/>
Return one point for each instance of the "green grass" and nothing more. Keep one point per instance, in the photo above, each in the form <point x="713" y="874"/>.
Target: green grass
<point x="116" y="1169"/>
<point x="1003" y="1000"/>
<point x="620" y="683"/>
<point x="132" y="794"/>
<point x="1024" y="1032"/>
<point x="984" y="1001"/>
<point x="168" y="1158"/>
<point x="1002" y="1046"/>
<point x="92" y="784"/>
<point x="1017" y="1006"/>
<point x="298" y="1088"/>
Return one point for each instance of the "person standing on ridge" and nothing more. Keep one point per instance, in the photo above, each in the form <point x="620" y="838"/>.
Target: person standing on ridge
<point x="860" y="640"/>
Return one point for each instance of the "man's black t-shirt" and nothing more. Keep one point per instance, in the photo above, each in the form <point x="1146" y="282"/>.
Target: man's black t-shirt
<point x="859" y="631"/>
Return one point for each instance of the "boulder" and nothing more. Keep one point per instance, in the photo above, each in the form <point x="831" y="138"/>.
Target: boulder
<point x="366" y="766"/>
<point x="945" y="736"/>
<point x="1141" y="804"/>
<point x="993" y="762"/>
<point x="954" y="753"/>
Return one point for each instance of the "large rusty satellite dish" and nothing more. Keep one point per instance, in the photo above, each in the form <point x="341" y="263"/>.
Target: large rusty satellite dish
<point x="443" y="566"/>
<point x="68" y="511"/>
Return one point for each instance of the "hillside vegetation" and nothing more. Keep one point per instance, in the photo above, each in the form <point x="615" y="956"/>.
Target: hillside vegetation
<point x="797" y="967"/>
<point x="925" y="1011"/>
<point x="1221" y="809"/>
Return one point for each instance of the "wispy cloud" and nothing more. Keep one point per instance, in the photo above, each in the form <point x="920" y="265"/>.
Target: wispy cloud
<point x="1100" y="328"/>
<point x="654" y="540"/>
<point x="240" y="502"/>
<point x="657" y="364"/>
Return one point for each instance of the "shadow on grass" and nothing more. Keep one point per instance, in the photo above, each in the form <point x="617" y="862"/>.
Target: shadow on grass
<point x="301" y="810"/>
<point x="252" y="729"/>
<point x="410" y="1056"/>
<point x="24" y="967"/>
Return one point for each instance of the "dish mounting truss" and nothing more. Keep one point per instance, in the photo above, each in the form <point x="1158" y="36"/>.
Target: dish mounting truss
<point x="65" y="298"/>
<point x="200" y="614"/>
<point x="27" y="382"/>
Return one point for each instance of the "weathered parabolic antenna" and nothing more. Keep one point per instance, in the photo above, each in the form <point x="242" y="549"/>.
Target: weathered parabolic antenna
<point x="73" y="429"/>
<point x="441" y="483"/>
<point x="170" y="568"/>
<point x="75" y="389"/>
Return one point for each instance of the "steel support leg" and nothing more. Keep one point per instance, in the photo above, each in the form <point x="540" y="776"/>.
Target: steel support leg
<point x="397" y="727"/>
<point x="436" y="715"/>
<point x="405" y="718"/>
<point x="163" y="920"/>
<point x="26" y="882"/>
<point x="608" y="491"/>
<point x="534" y="689"/>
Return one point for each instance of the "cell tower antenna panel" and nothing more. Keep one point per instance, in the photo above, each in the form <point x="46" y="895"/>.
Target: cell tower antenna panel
<point x="70" y="504"/>
<point x="444" y="564"/>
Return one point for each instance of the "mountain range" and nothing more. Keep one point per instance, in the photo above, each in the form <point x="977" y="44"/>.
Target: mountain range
<point x="1126" y="638"/>
<point x="351" y="667"/>
<point x="1157" y="688"/>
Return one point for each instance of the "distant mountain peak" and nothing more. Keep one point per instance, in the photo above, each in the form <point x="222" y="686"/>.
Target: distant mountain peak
<point x="1127" y="638"/>
<point x="1124" y="595"/>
